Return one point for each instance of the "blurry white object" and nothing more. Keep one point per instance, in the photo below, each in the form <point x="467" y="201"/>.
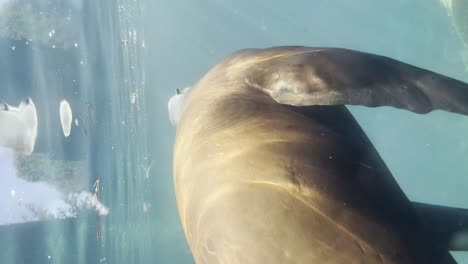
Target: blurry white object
<point x="66" y="117"/>
<point x="457" y="10"/>
<point x="18" y="126"/>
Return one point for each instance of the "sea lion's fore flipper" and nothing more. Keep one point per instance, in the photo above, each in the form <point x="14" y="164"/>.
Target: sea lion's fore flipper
<point x="448" y="225"/>
<point x="331" y="76"/>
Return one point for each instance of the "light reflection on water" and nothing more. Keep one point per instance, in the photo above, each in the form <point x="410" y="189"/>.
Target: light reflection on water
<point x="88" y="53"/>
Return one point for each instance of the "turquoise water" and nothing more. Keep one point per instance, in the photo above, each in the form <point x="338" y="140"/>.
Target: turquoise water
<point x="118" y="62"/>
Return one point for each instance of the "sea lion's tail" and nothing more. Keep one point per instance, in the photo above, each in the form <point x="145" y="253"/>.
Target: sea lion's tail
<point x="334" y="76"/>
<point x="449" y="225"/>
<point x="444" y="93"/>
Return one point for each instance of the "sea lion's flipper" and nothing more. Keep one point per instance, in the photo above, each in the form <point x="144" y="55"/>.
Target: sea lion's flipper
<point x="448" y="225"/>
<point x="330" y="76"/>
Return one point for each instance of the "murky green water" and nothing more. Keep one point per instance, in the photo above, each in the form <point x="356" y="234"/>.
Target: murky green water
<point x="118" y="62"/>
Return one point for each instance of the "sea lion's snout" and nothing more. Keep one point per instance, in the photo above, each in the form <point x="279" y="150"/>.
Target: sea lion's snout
<point x="176" y="105"/>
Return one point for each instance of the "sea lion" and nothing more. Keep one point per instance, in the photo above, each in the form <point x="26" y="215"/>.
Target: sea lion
<point x="270" y="167"/>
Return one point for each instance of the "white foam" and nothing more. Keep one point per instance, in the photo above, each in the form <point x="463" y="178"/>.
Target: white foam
<point x="24" y="201"/>
<point x="88" y="200"/>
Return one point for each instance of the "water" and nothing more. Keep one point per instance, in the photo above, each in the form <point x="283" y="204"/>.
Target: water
<point x="118" y="62"/>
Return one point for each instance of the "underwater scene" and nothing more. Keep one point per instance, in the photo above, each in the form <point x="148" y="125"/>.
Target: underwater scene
<point x="92" y="169"/>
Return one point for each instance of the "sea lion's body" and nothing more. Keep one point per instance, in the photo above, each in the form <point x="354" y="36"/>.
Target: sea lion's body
<point x="262" y="182"/>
